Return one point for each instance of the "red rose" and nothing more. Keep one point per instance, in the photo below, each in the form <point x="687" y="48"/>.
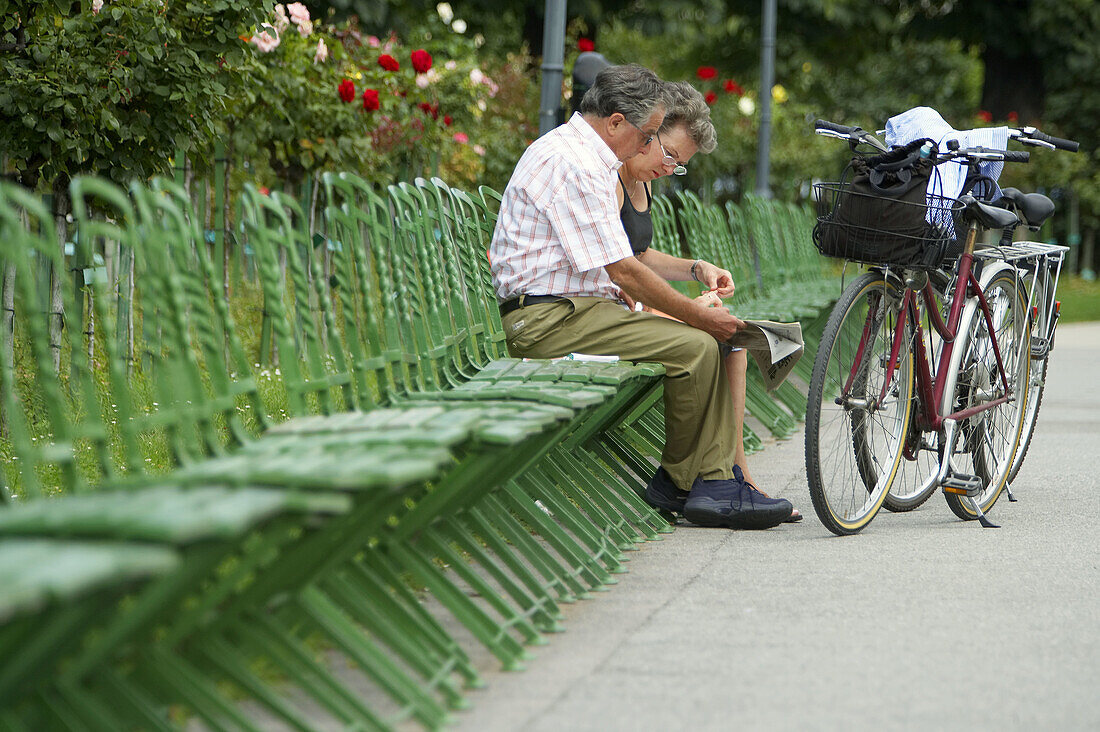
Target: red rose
<point x="347" y="90"/>
<point x="732" y="87"/>
<point x="1013" y="117"/>
<point x="706" y="72"/>
<point x="421" y="61"/>
<point x="985" y="116"/>
<point x="370" y="100"/>
<point x="447" y="120"/>
<point x="585" y="44"/>
<point x="429" y="109"/>
<point x="710" y="97"/>
<point x="388" y="62"/>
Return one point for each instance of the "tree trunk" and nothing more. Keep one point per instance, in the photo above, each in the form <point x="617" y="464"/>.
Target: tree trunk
<point x="1013" y="83"/>
<point x="7" y="325"/>
<point x="57" y="279"/>
<point x="226" y="210"/>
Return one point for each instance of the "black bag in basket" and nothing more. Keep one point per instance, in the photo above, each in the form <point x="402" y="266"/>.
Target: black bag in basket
<point x="884" y="214"/>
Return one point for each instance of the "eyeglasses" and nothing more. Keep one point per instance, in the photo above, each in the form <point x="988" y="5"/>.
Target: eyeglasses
<point x="668" y="161"/>
<point x="648" y="137"/>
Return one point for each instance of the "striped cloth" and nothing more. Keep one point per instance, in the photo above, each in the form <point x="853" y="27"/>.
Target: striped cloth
<point x="925" y="122"/>
<point x="558" y="223"/>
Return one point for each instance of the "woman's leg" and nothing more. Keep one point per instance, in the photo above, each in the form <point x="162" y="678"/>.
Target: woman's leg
<point x="736" y="363"/>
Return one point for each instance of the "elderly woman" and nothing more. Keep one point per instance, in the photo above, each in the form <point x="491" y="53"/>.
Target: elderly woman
<point x="687" y="129"/>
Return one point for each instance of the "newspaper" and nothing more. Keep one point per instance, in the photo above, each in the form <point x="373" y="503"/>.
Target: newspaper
<point x="776" y="347"/>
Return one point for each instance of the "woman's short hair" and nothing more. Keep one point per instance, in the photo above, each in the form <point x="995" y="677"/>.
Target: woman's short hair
<point x="633" y="91"/>
<point x="687" y="107"/>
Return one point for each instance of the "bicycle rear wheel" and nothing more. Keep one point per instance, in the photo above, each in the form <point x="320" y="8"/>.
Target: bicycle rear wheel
<point x="1043" y="335"/>
<point x="1031" y="412"/>
<point x="988" y="440"/>
<point x="855" y="433"/>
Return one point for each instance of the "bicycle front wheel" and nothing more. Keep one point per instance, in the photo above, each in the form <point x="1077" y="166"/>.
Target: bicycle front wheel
<point x="988" y="440"/>
<point x="856" y="422"/>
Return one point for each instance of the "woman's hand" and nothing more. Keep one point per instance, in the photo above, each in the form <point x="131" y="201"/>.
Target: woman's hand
<point x="714" y="278"/>
<point x="709" y="299"/>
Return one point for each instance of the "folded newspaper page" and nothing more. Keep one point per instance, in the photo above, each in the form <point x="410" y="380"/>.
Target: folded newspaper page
<point x="776" y="347"/>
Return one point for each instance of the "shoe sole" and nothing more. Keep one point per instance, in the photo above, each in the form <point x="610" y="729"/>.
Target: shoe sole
<point x="712" y="518"/>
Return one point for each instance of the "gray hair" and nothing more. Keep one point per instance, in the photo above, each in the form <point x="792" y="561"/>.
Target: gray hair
<point x="633" y="91"/>
<point x="687" y="107"/>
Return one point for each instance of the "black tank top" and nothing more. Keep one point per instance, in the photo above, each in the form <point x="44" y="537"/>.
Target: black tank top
<point x="638" y="225"/>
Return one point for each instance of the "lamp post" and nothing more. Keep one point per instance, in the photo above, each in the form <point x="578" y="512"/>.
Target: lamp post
<point x="767" y="80"/>
<point x="553" y="64"/>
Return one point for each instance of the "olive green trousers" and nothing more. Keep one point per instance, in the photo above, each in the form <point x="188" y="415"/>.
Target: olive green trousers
<point x="698" y="409"/>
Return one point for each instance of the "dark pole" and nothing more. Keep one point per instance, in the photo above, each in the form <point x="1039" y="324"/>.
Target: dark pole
<point x="767" y="80"/>
<point x="553" y="58"/>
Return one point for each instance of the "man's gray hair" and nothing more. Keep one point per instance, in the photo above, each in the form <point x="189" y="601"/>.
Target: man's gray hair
<point x="687" y="107"/>
<point x="633" y="91"/>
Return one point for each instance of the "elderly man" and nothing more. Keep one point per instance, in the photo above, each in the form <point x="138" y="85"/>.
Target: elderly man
<point x="561" y="264"/>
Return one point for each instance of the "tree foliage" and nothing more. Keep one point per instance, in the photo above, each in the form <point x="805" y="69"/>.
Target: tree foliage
<point x="114" y="92"/>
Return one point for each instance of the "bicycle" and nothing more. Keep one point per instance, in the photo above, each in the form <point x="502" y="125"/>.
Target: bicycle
<point x="881" y="396"/>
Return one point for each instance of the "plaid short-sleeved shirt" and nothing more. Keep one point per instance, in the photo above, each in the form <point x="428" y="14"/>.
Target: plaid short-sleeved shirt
<point x="559" y="223"/>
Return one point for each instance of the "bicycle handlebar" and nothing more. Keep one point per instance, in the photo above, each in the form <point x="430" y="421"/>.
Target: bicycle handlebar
<point x="1030" y="133"/>
<point x="834" y="127"/>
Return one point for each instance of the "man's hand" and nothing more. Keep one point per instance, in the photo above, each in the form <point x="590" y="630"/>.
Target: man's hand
<point x="714" y="278"/>
<point x="719" y="322"/>
<point x="642" y="283"/>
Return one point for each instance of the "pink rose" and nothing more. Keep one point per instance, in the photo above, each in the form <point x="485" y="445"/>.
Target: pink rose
<point x="264" y="41"/>
<point x="298" y="13"/>
<point x="97" y="5"/>
<point x="322" y="52"/>
<point x="281" y="21"/>
<point x="373" y="41"/>
<point x="461" y="138"/>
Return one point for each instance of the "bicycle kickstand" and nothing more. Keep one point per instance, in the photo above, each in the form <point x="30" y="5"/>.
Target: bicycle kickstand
<point x="982" y="518"/>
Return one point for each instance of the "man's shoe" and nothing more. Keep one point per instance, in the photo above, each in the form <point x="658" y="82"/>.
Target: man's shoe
<point x="735" y="505"/>
<point x="795" y="516"/>
<point x="662" y="493"/>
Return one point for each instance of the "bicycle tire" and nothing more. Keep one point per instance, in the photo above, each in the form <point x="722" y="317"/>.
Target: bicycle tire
<point x="1031" y="412"/>
<point x="1038" y="378"/>
<point x="990" y="438"/>
<point x="841" y="433"/>
<point x="915" y="481"/>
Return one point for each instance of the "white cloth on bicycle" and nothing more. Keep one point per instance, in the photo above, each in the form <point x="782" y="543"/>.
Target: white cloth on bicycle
<point x="925" y="122"/>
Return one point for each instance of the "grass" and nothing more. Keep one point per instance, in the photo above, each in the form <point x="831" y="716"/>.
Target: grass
<point x="1080" y="299"/>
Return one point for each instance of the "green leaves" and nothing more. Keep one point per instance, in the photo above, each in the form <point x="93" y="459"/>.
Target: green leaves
<point x="111" y="93"/>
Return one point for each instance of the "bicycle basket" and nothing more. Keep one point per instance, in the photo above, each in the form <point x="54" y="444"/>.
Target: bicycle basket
<point x="918" y="231"/>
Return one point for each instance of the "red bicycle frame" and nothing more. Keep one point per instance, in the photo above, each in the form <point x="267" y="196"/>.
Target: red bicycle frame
<point x="931" y="389"/>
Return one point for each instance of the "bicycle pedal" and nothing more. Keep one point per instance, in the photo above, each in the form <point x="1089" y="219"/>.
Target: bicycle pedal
<point x="962" y="485"/>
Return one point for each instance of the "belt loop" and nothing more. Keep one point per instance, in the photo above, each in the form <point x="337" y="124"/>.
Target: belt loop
<point x="521" y="299"/>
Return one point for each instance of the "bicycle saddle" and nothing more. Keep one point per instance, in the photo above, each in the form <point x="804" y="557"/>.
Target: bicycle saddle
<point x="1034" y="208"/>
<point x="987" y="216"/>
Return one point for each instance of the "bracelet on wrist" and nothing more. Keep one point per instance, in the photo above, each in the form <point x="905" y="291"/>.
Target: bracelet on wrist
<point x="695" y="264"/>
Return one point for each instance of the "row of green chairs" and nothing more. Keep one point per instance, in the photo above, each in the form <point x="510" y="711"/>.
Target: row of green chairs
<point x="412" y="449"/>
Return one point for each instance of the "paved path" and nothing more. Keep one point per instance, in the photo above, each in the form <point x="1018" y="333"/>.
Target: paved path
<point x="920" y="622"/>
